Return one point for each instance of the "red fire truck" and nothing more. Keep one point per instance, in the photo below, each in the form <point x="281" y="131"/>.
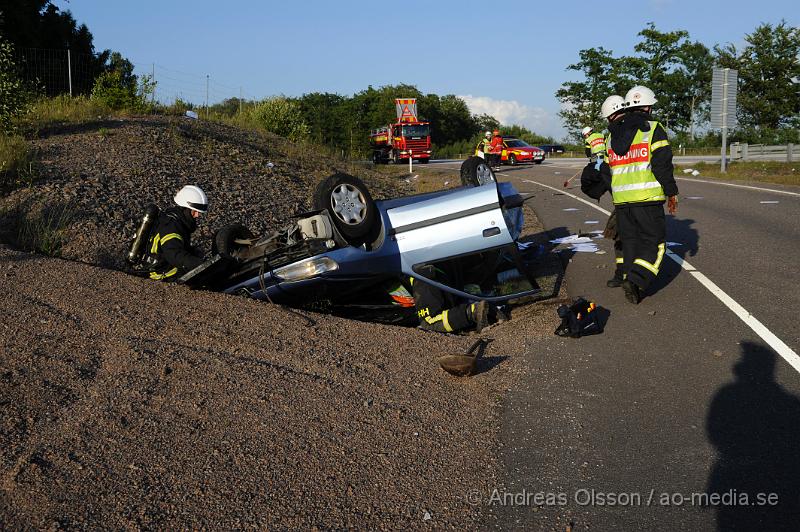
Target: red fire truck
<point x="408" y="137"/>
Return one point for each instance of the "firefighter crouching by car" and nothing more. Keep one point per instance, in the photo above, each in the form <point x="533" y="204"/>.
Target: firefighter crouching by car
<point x="437" y="310"/>
<point x="169" y="252"/>
<point x="640" y="160"/>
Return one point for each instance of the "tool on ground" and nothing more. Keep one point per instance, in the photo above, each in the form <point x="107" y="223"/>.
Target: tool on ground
<point x="463" y="365"/>
<point x="579" y="319"/>
<point x="566" y="183"/>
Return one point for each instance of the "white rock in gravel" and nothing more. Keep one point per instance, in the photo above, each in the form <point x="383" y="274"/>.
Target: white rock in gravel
<point x="427" y="516"/>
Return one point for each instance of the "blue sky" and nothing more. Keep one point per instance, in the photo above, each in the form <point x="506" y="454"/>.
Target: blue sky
<point x="504" y="58"/>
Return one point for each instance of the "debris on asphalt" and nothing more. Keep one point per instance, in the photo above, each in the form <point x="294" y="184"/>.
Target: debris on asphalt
<point x="769" y="202"/>
<point x="570" y="209"/>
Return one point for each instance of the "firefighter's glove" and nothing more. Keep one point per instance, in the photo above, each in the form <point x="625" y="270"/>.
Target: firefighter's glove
<point x="672" y="204"/>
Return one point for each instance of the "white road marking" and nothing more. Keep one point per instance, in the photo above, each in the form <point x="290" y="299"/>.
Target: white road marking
<point x="739" y="186"/>
<point x="769" y="202"/>
<point x="780" y="347"/>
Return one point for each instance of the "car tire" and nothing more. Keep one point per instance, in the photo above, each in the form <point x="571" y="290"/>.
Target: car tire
<point x="539" y="161"/>
<point x="352" y="210"/>
<point x="224" y="241"/>
<point x="475" y="171"/>
<point x="512" y="159"/>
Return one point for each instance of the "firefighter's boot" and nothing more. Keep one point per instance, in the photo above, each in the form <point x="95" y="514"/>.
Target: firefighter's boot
<point x="478" y="313"/>
<point x="632" y="292"/>
<point x="616" y="281"/>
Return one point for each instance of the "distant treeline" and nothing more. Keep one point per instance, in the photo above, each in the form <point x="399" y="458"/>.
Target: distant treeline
<point x="344" y="122"/>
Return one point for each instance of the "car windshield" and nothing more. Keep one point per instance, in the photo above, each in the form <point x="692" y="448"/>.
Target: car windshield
<point x="416" y="131"/>
<point x="516" y="143"/>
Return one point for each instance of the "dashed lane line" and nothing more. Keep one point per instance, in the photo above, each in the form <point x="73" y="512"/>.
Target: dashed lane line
<point x="780" y="347"/>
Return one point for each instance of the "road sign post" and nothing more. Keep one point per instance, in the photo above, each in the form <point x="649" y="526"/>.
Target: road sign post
<point x="723" y="106"/>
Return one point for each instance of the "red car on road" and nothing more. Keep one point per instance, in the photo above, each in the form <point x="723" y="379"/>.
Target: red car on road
<point x="518" y="151"/>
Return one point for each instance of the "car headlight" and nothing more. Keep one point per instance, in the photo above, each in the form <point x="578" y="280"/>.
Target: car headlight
<point x="306" y="269"/>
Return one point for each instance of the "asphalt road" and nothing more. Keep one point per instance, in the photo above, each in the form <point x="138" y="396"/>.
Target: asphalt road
<point x="685" y="395"/>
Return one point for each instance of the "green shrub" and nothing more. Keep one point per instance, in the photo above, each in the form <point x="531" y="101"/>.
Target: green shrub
<point x="280" y="116"/>
<point x="117" y="93"/>
<point x="14" y="96"/>
<point x="111" y="91"/>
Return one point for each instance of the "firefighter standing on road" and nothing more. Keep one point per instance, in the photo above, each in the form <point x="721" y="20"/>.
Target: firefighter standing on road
<point x="640" y="160"/>
<point x="594" y="145"/>
<point x="485" y="147"/>
<point x="613" y="109"/>
<point x="496" y="148"/>
<point x="170" y="252"/>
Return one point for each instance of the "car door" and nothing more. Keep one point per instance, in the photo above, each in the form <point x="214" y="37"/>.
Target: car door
<point x="465" y="221"/>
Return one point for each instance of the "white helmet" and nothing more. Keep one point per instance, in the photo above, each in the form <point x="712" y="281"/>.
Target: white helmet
<point x="585" y="131"/>
<point x="612" y="105"/>
<point x="192" y="197"/>
<point x="640" y="96"/>
<point x="488" y="134"/>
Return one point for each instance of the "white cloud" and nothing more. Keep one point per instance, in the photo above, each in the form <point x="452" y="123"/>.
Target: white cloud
<point x="510" y="112"/>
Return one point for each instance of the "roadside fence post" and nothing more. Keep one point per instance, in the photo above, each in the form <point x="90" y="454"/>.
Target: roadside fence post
<point x="744" y="151"/>
<point x="789" y="154"/>
<point x="69" y="72"/>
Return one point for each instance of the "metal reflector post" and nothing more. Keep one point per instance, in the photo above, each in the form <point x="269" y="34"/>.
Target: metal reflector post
<point x="410" y="161"/>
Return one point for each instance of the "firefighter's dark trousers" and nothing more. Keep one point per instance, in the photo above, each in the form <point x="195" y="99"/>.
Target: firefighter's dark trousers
<point x="611" y="232"/>
<point x="435" y="312"/>
<point x="642" y="230"/>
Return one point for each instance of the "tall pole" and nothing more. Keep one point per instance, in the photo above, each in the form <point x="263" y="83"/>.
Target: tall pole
<point x="723" y="164"/>
<point x="207" y="76"/>
<point x="69" y="72"/>
<point x="153" y="80"/>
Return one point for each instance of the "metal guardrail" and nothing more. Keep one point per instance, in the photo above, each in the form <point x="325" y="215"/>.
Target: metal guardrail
<point x="745" y="152"/>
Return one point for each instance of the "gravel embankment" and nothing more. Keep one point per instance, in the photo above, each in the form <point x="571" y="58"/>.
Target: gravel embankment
<point x="126" y="403"/>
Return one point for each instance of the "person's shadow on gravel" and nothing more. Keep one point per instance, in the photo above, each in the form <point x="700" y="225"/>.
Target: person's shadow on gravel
<point x="754" y="424"/>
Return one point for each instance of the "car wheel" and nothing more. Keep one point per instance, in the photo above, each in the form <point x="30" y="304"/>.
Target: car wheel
<point x="475" y="172"/>
<point x="512" y="159"/>
<point x="539" y="161"/>
<point x="350" y="206"/>
<point x="224" y="241"/>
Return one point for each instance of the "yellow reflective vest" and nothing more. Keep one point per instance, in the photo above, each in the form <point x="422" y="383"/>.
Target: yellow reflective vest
<point x="632" y="178"/>
<point x="596" y="144"/>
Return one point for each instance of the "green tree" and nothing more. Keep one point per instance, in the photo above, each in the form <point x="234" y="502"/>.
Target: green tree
<point x="13" y="94"/>
<point x="581" y="100"/>
<point x="767" y="97"/>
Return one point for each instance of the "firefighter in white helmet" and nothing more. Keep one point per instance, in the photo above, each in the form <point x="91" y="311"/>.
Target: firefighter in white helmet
<point x="170" y="251"/>
<point x="640" y="160"/>
<point x="613" y="109"/>
<point x="484" y="147"/>
<point x="594" y="145"/>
